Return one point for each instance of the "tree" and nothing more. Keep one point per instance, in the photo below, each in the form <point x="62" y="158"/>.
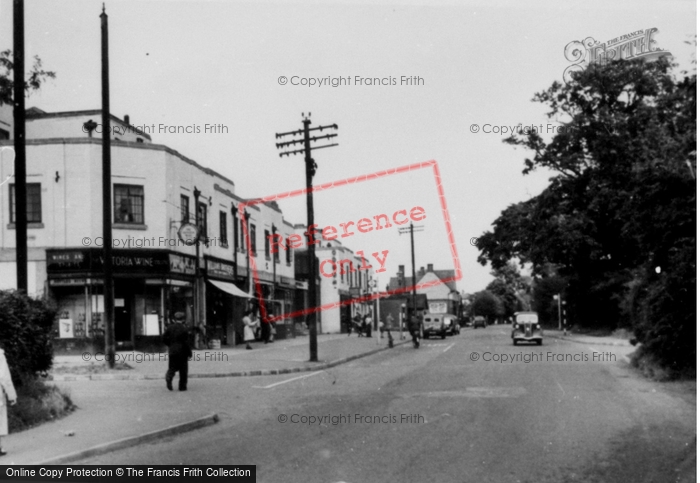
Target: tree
<point x="507" y="285"/>
<point x="488" y="305"/>
<point x="618" y="218"/>
<point x="37" y="76"/>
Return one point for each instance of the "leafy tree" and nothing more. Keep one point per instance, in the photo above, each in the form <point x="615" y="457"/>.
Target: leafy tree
<point x="37" y="76"/>
<point x="508" y="285"/>
<point x="618" y="217"/>
<point x="487" y="304"/>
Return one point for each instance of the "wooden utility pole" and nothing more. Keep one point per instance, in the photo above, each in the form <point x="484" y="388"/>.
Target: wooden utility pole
<point x="410" y="230"/>
<point x="310" y="172"/>
<point x="110" y="346"/>
<point x="20" y="146"/>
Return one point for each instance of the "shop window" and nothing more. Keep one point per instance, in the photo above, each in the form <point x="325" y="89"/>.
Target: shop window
<point x="223" y="237"/>
<point x="33" y="203"/>
<point x="184" y="208"/>
<point x="128" y="204"/>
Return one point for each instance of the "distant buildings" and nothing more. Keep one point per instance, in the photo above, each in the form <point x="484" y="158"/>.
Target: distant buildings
<point x="442" y="297"/>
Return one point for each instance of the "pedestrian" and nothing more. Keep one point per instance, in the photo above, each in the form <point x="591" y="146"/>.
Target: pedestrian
<point x="368" y="325"/>
<point x="7" y="393"/>
<point x="249" y="325"/>
<point x="389" y="322"/>
<point x="414" y="330"/>
<point x="273" y="332"/>
<point x="265" y="332"/>
<point x="177" y="338"/>
<point x="359" y="325"/>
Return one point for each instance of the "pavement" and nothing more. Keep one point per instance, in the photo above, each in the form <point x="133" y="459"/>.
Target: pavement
<point x="109" y="418"/>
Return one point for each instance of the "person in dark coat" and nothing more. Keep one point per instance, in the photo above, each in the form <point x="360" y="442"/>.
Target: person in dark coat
<point x="414" y="330"/>
<point x="177" y="338"/>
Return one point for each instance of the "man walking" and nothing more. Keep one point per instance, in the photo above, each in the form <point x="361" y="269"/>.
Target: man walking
<point x="177" y="338"/>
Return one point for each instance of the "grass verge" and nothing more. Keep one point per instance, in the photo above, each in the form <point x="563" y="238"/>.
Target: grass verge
<point x="37" y="403"/>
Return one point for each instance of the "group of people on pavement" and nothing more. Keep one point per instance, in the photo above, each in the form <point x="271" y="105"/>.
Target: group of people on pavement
<point x="252" y="327"/>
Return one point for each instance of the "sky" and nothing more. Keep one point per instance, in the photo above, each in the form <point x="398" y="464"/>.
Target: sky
<point x="193" y="63"/>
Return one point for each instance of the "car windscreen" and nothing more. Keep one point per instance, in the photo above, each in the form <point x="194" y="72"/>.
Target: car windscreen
<point x="526" y="319"/>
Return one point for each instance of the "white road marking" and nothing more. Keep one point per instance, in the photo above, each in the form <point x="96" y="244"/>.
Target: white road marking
<point x="288" y="380"/>
<point x="448" y="348"/>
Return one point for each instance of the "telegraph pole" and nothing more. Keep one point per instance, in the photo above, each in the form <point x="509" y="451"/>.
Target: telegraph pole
<point x="20" y="146"/>
<point x="310" y="171"/>
<point x="107" y="197"/>
<point x="410" y="230"/>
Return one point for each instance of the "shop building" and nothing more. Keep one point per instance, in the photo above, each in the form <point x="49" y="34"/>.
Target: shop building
<point x="341" y="280"/>
<point x="155" y="190"/>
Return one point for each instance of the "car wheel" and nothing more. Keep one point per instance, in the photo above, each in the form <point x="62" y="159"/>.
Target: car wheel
<point x="444" y="335"/>
<point x="515" y="342"/>
<point x="539" y="342"/>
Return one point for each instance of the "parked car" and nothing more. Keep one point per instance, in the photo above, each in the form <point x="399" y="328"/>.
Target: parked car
<point x="438" y="324"/>
<point x="479" y="321"/>
<point x="526" y="328"/>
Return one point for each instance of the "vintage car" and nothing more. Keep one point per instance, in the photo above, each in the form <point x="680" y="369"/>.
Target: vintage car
<point x="438" y="324"/>
<point x="479" y="321"/>
<point x="526" y="328"/>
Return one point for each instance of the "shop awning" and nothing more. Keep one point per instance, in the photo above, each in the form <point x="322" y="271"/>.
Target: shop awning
<point x="230" y="289"/>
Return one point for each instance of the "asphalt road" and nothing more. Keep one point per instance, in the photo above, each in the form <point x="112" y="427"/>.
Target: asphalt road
<point x="449" y="411"/>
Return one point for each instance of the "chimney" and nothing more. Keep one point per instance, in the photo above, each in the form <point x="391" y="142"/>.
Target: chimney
<point x="126" y="119"/>
<point x="400" y="270"/>
<point x="421" y="272"/>
<point x="430" y="267"/>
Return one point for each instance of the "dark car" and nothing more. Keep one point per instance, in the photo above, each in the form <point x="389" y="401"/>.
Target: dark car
<point x="479" y="321"/>
<point x="526" y="328"/>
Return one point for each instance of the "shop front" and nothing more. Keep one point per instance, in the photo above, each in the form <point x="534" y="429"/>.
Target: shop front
<point x="225" y="302"/>
<point x="149" y="287"/>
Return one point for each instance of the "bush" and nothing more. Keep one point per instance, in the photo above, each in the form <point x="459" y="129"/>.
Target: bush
<point x="37" y="403"/>
<point x="26" y="334"/>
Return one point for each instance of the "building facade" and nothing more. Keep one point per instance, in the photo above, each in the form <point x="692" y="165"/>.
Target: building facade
<point x="157" y="272"/>
<point x="341" y="282"/>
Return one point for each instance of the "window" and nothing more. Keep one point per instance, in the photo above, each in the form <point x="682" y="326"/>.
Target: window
<point x="223" y="238"/>
<point x="33" y="203"/>
<point x="202" y="219"/>
<point x="128" y="204"/>
<point x="267" y="244"/>
<point x="244" y="246"/>
<point x="288" y="254"/>
<point x="235" y="234"/>
<point x="184" y="208"/>
<point x="253" y="245"/>
<point x="4" y="134"/>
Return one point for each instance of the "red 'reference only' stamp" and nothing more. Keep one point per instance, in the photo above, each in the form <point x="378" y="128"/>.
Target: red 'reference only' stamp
<point x="353" y="230"/>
